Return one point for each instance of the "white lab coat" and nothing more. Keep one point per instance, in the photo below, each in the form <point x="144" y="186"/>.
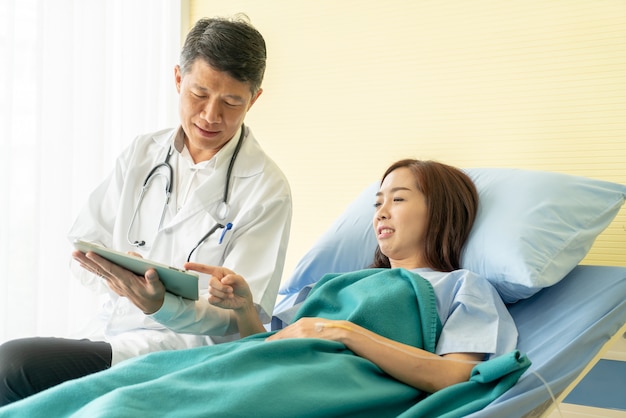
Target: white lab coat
<point x="260" y="211"/>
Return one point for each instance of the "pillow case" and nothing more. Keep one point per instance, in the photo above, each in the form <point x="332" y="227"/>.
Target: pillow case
<point x="532" y="228"/>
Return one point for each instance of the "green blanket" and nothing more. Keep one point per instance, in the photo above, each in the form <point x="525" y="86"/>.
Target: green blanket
<point x="289" y="378"/>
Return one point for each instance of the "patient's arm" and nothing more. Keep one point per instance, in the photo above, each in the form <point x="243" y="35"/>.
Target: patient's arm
<point x="418" y="368"/>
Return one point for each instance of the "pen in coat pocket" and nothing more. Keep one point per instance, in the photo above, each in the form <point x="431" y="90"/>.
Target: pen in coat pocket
<point x="227" y="228"/>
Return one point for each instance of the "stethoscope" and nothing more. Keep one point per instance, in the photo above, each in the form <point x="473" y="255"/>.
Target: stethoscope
<point x="157" y="171"/>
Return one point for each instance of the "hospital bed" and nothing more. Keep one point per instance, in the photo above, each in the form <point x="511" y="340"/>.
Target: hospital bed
<point x="532" y="230"/>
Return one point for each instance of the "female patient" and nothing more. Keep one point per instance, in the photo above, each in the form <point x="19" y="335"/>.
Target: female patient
<point x="368" y="343"/>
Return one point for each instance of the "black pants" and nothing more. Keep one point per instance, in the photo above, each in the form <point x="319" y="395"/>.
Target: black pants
<point x="30" y="365"/>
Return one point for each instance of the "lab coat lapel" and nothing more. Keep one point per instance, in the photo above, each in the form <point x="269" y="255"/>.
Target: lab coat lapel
<point x="248" y="164"/>
<point x="209" y="195"/>
<point x="206" y="198"/>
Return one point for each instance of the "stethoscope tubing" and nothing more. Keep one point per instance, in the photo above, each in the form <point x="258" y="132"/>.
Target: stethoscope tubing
<point x="223" y="210"/>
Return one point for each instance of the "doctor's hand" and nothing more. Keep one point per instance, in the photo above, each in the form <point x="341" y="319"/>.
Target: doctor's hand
<point x="227" y="289"/>
<point x="146" y="292"/>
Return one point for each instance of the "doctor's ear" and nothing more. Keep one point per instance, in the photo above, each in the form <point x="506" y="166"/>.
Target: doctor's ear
<point x="177" y="77"/>
<point x="256" y="96"/>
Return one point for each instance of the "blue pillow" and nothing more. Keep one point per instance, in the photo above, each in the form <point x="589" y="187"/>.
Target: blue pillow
<point x="532" y="228"/>
<point x="348" y="245"/>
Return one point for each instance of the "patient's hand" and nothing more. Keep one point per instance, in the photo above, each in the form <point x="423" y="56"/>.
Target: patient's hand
<point x="314" y="328"/>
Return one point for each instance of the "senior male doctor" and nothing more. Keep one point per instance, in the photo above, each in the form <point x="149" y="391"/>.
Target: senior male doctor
<point x="218" y="175"/>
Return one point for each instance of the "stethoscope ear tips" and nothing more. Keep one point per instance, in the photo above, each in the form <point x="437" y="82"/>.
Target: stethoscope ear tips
<point x="139" y="243"/>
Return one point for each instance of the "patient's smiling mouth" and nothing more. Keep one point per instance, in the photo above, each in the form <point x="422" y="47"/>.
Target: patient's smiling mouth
<point x="384" y="232"/>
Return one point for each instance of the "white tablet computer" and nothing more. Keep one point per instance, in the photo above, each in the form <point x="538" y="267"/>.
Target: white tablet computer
<point x="179" y="282"/>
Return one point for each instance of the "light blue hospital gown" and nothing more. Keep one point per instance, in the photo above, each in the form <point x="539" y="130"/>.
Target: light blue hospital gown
<point x="474" y="318"/>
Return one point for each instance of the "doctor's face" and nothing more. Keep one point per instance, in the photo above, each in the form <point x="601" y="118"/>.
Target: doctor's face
<point x="401" y="219"/>
<point x="212" y="106"/>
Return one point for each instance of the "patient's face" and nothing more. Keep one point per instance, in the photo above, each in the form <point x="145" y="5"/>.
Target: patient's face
<point x="400" y="219"/>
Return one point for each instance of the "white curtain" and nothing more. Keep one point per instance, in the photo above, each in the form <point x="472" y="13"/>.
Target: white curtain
<point x="79" y="79"/>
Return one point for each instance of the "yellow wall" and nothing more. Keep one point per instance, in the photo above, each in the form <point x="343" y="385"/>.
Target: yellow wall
<point x="352" y="86"/>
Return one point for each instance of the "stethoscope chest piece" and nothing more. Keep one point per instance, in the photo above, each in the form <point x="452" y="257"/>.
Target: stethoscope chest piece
<point x="223" y="208"/>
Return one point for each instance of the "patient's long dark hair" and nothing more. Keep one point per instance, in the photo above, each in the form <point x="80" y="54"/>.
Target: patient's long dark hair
<point x="452" y="203"/>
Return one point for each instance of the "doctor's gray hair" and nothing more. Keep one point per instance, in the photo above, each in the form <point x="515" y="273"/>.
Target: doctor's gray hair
<point x="231" y="45"/>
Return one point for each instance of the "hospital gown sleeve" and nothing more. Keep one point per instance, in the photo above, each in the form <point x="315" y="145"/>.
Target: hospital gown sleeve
<point x="478" y="321"/>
